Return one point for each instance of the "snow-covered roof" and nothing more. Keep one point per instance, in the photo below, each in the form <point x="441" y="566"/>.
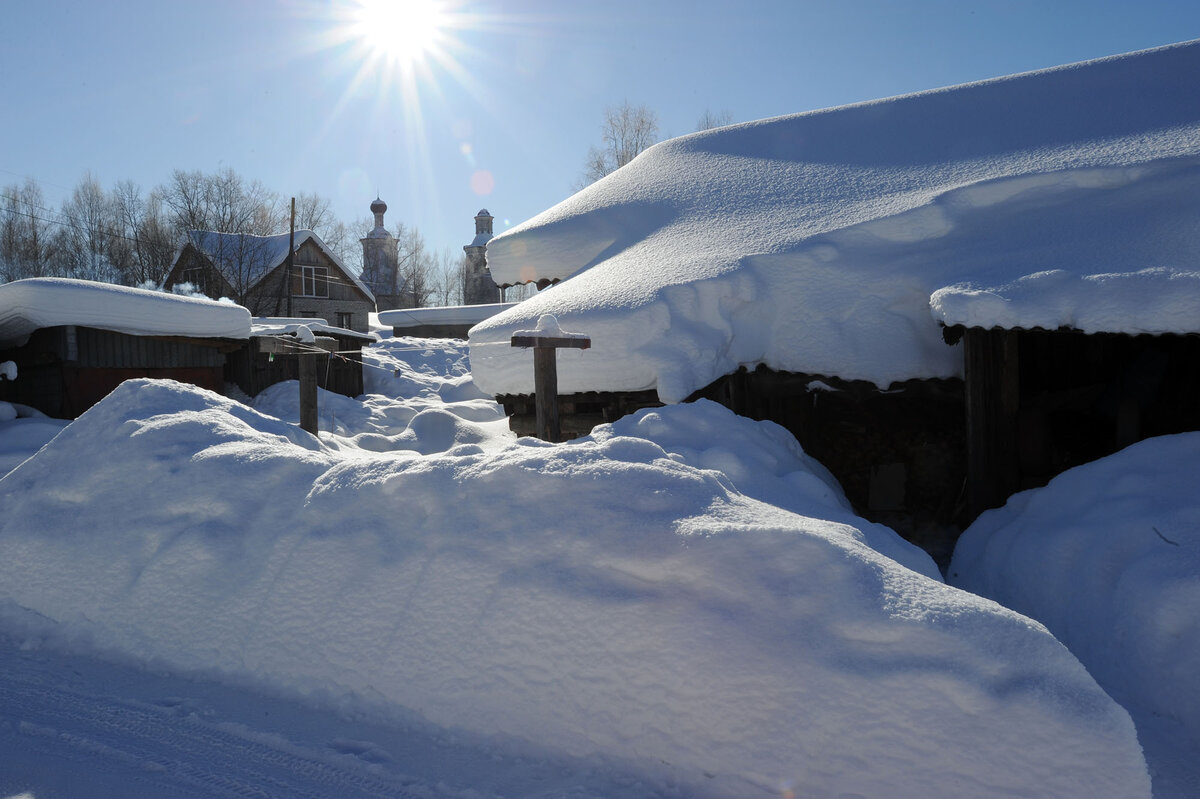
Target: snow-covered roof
<point x="442" y="315"/>
<point x="289" y="326"/>
<point x="481" y="240"/>
<point x="245" y="259"/>
<point x="27" y="305"/>
<point x="815" y="242"/>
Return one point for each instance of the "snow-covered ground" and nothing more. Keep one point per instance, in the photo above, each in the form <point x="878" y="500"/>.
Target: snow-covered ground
<point x="199" y="599"/>
<point x="1108" y="557"/>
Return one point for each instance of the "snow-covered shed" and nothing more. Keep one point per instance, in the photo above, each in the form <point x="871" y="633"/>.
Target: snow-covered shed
<point x="446" y="321"/>
<point x="74" y="341"/>
<point x="252" y="270"/>
<point x="805" y="268"/>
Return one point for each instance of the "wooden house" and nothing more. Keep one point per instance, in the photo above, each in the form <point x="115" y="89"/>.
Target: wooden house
<point x="947" y="296"/>
<point x="253" y="271"/>
<point x="74" y="341"/>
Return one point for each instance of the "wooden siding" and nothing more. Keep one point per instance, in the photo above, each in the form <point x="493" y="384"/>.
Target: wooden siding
<point x="578" y="413"/>
<point x="254" y="369"/>
<point x="1043" y="401"/>
<point x="63" y="371"/>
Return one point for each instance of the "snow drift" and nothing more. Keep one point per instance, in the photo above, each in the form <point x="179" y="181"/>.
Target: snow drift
<point x="813" y="243"/>
<point x="1107" y="556"/>
<point x="603" y="598"/>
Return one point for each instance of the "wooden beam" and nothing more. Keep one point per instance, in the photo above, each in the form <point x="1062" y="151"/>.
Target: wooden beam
<point x="308" y="391"/>
<point x="545" y="375"/>
<point x="993" y="390"/>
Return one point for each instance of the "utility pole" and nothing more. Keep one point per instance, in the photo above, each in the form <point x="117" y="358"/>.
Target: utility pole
<point x="291" y="249"/>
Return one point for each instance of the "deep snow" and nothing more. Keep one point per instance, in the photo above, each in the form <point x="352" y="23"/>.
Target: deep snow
<point x="1108" y="557"/>
<point x="630" y="605"/>
<point x="835" y="242"/>
<point x="26" y="305"/>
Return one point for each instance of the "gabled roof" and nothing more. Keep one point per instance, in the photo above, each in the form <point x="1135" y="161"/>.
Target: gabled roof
<point x="247" y="260"/>
<point x="814" y="243"/>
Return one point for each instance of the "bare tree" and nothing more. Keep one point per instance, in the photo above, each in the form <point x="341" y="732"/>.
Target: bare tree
<point x="412" y="273"/>
<point x="710" y="119"/>
<point x="26" y="239"/>
<point x="87" y="231"/>
<point x="448" y="272"/>
<point x="626" y="131"/>
<point x="312" y="213"/>
<point x="158" y="240"/>
<point x="222" y="202"/>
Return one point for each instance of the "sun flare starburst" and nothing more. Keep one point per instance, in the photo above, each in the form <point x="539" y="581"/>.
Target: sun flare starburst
<point x="400" y="31"/>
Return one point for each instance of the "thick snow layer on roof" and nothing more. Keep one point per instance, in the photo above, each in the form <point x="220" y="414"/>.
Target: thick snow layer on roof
<point x="284" y="326"/>
<point x="1108" y="557"/>
<point x="26" y="305"/>
<point x="442" y="315"/>
<point x="244" y="259"/>
<point x="651" y="612"/>
<point x="814" y="242"/>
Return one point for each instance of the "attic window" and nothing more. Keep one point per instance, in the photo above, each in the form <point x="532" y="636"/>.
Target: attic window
<point x="314" y="281"/>
<point x="197" y="276"/>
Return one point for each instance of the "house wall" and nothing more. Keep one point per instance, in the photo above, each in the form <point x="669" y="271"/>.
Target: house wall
<point x="344" y="304"/>
<point x="898" y="454"/>
<point x="192" y="267"/>
<point x="253" y="368"/>
<point x="1040" y="402"/>
<point x="65" y="370"/>
<point x="269" y="296"/>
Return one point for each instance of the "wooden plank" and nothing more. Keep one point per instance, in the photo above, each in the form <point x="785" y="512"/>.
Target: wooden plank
<point x="992" y="372"/>
<point x="545" y="386"/>
<point x="308" y="392"/>
<point x="552" y="341"/>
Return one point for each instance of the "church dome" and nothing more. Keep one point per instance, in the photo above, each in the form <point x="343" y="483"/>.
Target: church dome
<point x="378" y="206"/>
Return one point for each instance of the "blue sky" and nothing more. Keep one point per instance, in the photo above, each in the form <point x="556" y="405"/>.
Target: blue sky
<point x="503" y="118"/>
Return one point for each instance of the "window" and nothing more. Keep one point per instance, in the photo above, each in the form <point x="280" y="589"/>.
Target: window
<point x="197" y="276"/>
<point x="345" y="320"/>
<point x="314" y="281"/>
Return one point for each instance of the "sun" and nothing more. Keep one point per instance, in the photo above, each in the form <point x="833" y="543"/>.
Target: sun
<point x="402" y="32"/>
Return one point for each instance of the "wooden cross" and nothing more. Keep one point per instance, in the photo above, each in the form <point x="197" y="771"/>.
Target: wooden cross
<point x="547" y="338"/>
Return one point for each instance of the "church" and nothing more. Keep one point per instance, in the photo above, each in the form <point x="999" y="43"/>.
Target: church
<point x="395" y="289"/>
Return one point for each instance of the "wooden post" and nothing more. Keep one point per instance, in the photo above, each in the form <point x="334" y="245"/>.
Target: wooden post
<point x="308" y="391"/>
<point x="992" y="377"/>
<point x="545" y="340"/>
<point x="290" y="259"/>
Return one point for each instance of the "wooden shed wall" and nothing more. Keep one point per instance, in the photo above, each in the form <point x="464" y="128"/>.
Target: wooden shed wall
<point x="253" y="369"/>
<point x="63" y="371"/>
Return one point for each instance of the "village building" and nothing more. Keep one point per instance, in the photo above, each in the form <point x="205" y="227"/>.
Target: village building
<point x="947" y="296"/>
<point x="478" y="286"/>
<point x="73" y="341"/>
<point x="255" y="272"/>
<point x="381" y="264"/>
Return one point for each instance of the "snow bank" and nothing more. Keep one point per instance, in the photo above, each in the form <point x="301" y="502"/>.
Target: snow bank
<point x="602" y="598"/>
<point x="1108" y="556"/>
<point x="814" y="242"/>
<point x="26" y="305"/>
<point x="22" y="436"/>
